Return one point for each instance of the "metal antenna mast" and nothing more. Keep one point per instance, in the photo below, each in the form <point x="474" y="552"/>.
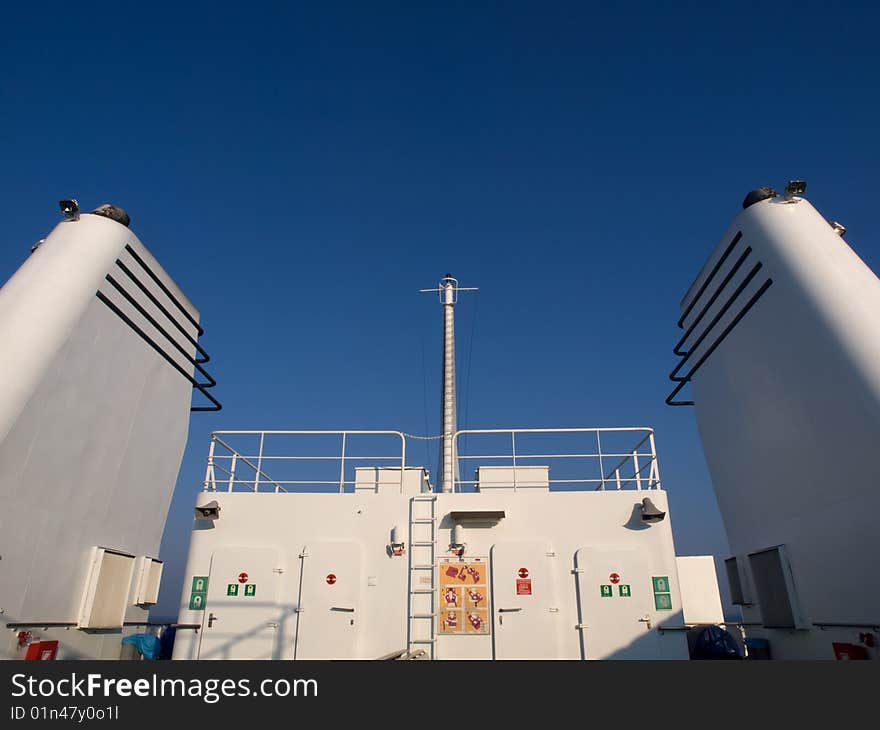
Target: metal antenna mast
<point x="448" y="289"/>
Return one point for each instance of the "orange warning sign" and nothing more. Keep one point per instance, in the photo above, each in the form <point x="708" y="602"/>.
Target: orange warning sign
<point x="469" y="574"/>
<point x="464" y="597"/>
<point x="474" y="596"/>
<point x="451" y="622"/>
<point x="476" y="622"/>
<point x="451" y="597"/>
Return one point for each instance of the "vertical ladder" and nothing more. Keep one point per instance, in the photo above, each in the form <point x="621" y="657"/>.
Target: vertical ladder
<point x="422" y="600"/>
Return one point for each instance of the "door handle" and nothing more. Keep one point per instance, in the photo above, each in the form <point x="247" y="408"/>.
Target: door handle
<point x="341" y="608"/>
<point x="211" y="619"/>
<point x="506" y="610"/>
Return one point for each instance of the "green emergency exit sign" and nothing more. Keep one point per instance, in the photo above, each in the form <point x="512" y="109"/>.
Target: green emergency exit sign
<point x="661" y="584"/>
<point x="624" y="591"/>
<point x="250" y="589"/>
<point x="199" y="593"/>
<point x="232" y="589"/>
<point x="606" y="591"/>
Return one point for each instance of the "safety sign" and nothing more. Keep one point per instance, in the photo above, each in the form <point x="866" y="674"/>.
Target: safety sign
<point x="606" y="591"/>
<point x="523" y="587"/>
<point x="474" y="597"/>
<point x="232" y="589"/>
<point x="250" y="589"/>
<point x="242" y="577"/>
<point x="452" y="597"/>
<point x="463" y="597"/>
<point x="662" y="594"/>
<point x="331" y="578"/>
<point x="199" y="593"/>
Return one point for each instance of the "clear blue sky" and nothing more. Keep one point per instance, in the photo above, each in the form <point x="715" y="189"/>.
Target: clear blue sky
<point x="302" y="172"/>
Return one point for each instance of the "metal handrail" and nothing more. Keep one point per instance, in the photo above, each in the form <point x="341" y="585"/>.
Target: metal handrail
<point x="156" y="303"/>
<point x="612" y="475"/>
<point x="165" y="290"/>
<point x="152" y="320"/>
<point x="216" y="460"/>
<point x="682" y="381"/>
<point x="635" y="467"/>
<point x="685" y="355"/>
<point x="693" y="325"/>
<point x="718" y="265"/>
<point x="201" y="387"/>
<point x="195" y="360"/>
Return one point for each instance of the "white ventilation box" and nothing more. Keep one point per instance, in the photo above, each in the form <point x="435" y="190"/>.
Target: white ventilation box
<point x="105" y="596"/>
<point x="698" y="583"/>
<point x="510" y="478"/>
<point x="147" y="577"/>
<point x="386" y="479"/>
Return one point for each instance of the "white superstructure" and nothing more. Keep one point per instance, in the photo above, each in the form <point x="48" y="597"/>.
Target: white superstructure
<point x="98" y="358"/>
<point x="781" y="346"/>
<point x="537" y="544"/>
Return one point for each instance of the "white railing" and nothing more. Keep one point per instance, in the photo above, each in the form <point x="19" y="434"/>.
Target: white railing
<point x="263" y="460"/>
<point x="326" y="461"/>
<point x="629" y="460"/>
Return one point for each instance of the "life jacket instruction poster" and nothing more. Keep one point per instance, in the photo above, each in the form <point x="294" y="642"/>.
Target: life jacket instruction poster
<point x="464" y="596"/>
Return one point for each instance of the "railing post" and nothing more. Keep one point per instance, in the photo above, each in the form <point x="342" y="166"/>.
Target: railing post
<point x="617" y="477"/>
<point x="232" y="470"/>
<point x="655" y="470"/>
<point x="601" y="466"/>
<point x="342" y="468"/>
<point x="259" y="463"/>
<point x="402" y="461"/>
<point x="209" y="470"/>
<point x="637" y="475"/>
<point x="513" y="452"/>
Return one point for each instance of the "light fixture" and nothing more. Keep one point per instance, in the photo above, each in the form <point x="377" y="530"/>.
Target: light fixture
<point x="795" y="187"/>
<point x="398" y="547"/>
<point x="457" y="545"/>
<point x="209" y="511"/>
<point x="650" y="513"/>
<point x="70" y="209"/>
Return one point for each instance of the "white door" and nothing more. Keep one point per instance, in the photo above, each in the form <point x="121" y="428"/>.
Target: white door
<point x="241" y="612"/>
<point x="328" y="624"/>
<point x="525" y="601"/>
<point x="615" y="603"/>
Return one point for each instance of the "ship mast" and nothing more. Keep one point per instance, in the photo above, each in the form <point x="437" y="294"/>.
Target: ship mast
<point x="448" y="289"/>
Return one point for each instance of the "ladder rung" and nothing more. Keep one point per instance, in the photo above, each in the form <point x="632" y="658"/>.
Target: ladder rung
<point x="423" y="641"/>
<point x="423" y="615"/>
<point x="422" y="498"/>
<point x="423" y="520"/>
<point x="421" y="567"/>
<point x="423" y="543"/>
<point x="422" y="590"/>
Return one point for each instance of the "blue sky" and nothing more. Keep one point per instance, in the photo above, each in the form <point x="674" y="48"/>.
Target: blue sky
<point x="302" y="171"/>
